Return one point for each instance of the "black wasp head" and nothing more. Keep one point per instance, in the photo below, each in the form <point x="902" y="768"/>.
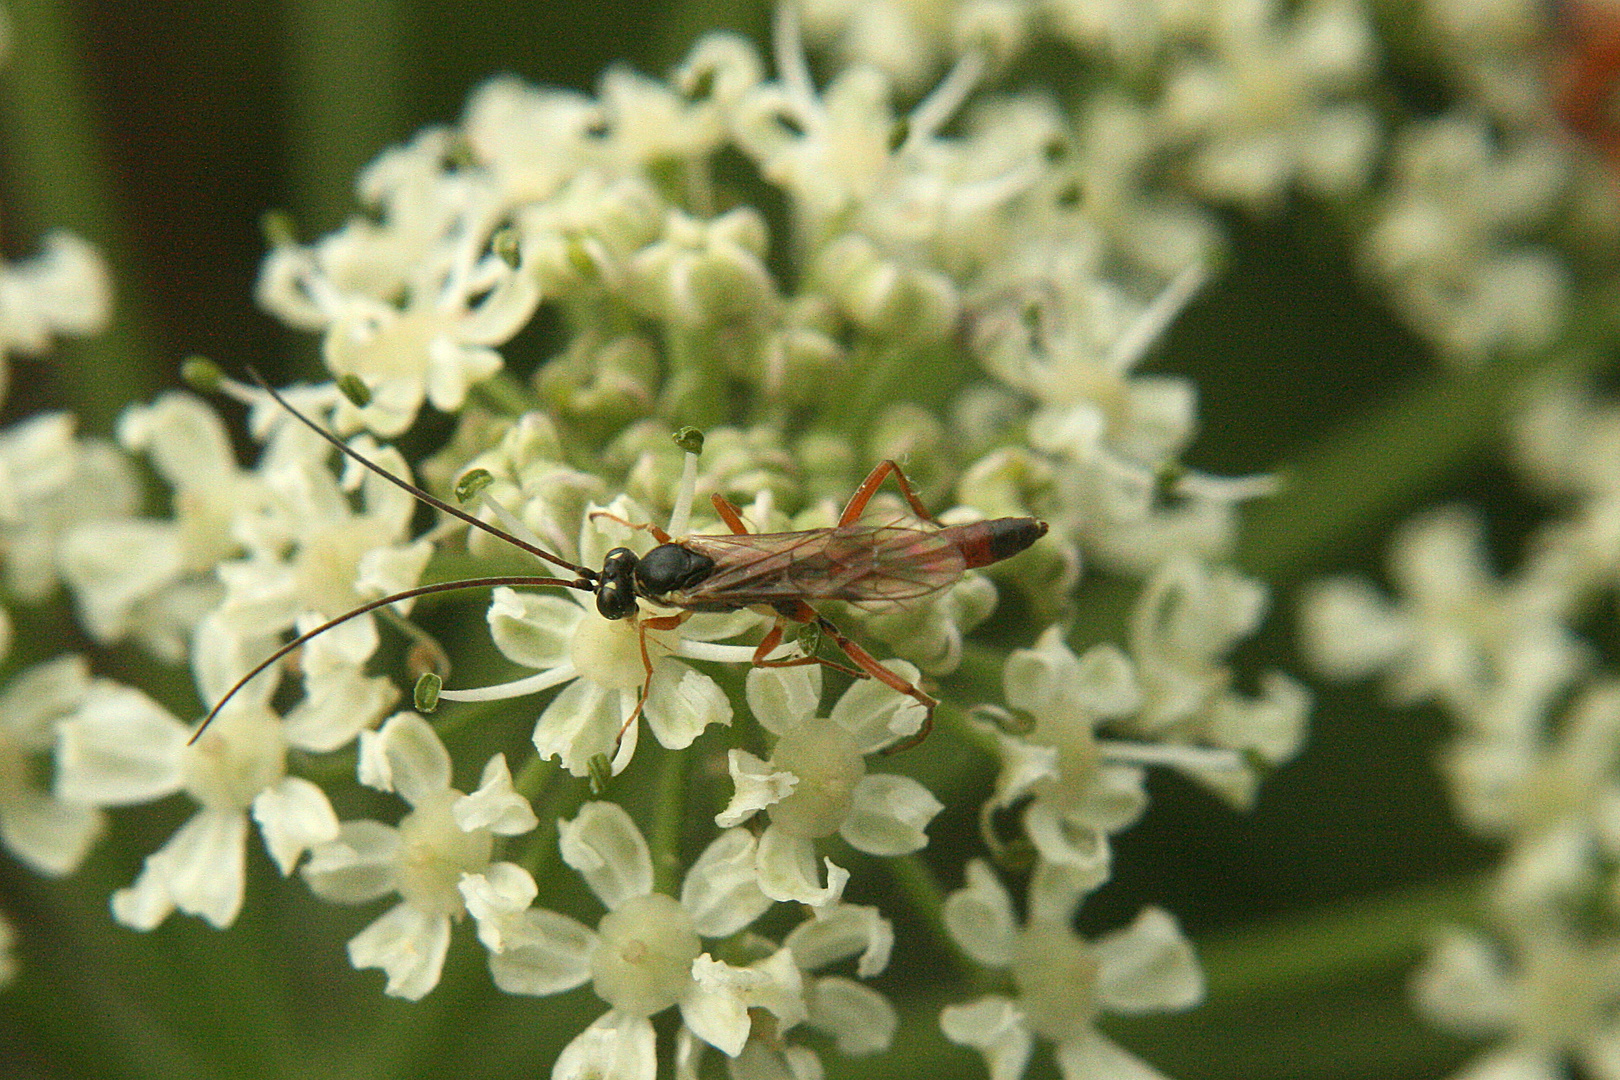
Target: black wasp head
<point x="616" y="585"/>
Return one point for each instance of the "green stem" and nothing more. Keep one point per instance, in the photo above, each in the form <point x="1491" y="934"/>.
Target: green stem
<point x="665" y="836"/>
<point x="59" y="178"/>
<point x="346" y="79"/>
<point x="926" y="896"/>
<point x="1337" y="943"/>
<point x="1400" y="453"/>
<point x="562" y="799"/>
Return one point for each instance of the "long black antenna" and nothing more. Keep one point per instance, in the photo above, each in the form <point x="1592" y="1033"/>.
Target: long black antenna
<point x="431" y="500"/>
<point x="408" y="594"/>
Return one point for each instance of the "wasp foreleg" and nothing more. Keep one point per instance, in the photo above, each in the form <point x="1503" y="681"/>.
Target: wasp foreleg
<point x="660" y="622"/>
<point x="658" y="534"/>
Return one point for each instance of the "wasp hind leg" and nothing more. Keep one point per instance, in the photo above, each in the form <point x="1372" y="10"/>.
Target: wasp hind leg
<point x="866" y="665"/>
<point x="874" y="479"/>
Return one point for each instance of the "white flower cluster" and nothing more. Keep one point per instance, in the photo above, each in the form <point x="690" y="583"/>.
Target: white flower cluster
<point x="62" y="291"/>
<point x="1535" y="753"/>
<point x="974" y="285"/>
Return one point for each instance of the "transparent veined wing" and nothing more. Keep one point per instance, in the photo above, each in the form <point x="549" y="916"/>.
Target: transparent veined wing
<point x="858" y="563"/>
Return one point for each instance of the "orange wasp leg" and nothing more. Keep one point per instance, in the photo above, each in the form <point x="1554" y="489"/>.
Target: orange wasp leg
<point x="874" y="479"/>
<point x="659" y="622"/>
<point x="658" y="534"/>
<point x="800" y="612"/>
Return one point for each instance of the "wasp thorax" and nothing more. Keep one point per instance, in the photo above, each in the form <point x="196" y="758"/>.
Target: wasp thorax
<point x="669" y="568"/>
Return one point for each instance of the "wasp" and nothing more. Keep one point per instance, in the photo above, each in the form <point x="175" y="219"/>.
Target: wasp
<point x="775" y="574"/>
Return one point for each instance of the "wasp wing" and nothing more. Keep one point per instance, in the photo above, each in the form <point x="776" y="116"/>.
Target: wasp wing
<point x="858" y="563"/>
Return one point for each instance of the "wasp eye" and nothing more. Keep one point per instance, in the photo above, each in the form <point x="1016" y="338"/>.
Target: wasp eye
<point x="616" y="590"/>
<point x="614" y="601"/>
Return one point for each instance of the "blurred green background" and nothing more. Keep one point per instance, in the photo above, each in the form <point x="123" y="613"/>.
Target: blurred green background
<point x="163" y="132"/>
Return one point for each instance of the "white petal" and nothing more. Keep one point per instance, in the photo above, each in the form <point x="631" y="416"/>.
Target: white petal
<point x="120" y="748"/>
<point x="39" y="696"/>
<point x="386" y="570"/>
<point x="1092" y="1057"/>
<point x="1515" y="1062"/>
<point x="616" y="1047"/>
<point x="49" y="835"/>
<point x="1055" y="891"/>
<point x="1077" y="845"/>
<point x="858" y="1017"/>
<point x="1023" y="765"/>
<point x="146" y="903"/>
<point x="495" y="805"/>
<point x="408" y="945"/>
<point x="293" y="817"/>
<point x="1147" y="967"/>
<point x="581" y="722"/>
<point x="533" y="629"/>
<point x="502" y="890"/>
<point x="356" y="867"/>
<point x="721" y="890"/>
<point x="545" y="953"/>
<point x="757" y="786"/>
<point x="352" y="642"/>
<point x="783" y="698"/>
<point x="1465" y="985"/>
<point x="609" y="852"/>
<point x="980" y="918"/>
<point x="681" y="703"/>
<point x="877" y="715"/>
<point x="787" y="870"/>
<point x="995" y="1027"/>
<point x="715" y="1015"/>
<point x="888" y="815"/>
<point x="201" y="869"/>
<point x="838" y="931"/>
<point x="767" y="1061"/>
<point x="717" y="1008"/>
<point x="405" y="756"/>
<point x="337" y="705"/>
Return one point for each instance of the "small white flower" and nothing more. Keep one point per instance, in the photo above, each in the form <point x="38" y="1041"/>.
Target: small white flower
<point x="446" y="836"/>
<point x="49" y="833"/>
<point x="918" y="198"/>
<point x="1551" y="1000"/>
<point x="816" y="784"/>
<point x="312" y="556"/>
<point x="1450" y="242"/>
<point x="120" y="748"/>
<point x="646" y="954"/>
<point x="412" y="305"/>
<point x="153" y="578"/>
<point x="859" y="1020"/>
<point x="1063" y="981"/>
<point x="1271" y="103"/>
<point x="1078" y="795"/>
<point x="1495" y="652"/>
<point x="1188" y="618"/>
<point x="51" y="481"/>
<point x="64" y="290"/>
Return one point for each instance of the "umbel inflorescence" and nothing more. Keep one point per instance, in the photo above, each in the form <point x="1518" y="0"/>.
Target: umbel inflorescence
<point x="966" y="286"/>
